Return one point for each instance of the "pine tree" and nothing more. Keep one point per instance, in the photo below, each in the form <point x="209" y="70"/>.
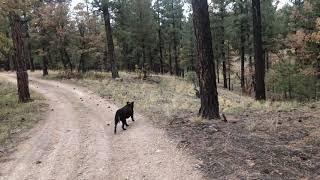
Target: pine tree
<point x="207" y="80"/>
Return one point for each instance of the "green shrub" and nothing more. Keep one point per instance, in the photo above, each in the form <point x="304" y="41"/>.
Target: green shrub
<point x="288" y="80"/>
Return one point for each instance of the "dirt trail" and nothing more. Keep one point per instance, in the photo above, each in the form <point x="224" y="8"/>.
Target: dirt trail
<point x="76" y="141"/>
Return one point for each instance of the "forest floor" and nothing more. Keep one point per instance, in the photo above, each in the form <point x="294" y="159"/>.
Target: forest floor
<point x="17" y="119"/>
<point x="260" y="140"/>
<point x="76" y="141"/>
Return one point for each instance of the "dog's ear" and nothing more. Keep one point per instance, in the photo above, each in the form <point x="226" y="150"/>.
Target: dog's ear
<point x="128" y="103"/>
<point x="132" y="103"/>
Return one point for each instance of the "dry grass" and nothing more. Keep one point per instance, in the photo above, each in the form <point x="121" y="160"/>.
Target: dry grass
<point x="268" y="140"/>
<point x="16" y="118"/>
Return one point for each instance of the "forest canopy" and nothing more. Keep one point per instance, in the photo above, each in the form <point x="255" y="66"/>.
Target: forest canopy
<point x="158" y="36"/>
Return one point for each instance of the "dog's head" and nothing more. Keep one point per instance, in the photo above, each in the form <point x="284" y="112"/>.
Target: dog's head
<point x="131" y="104"/>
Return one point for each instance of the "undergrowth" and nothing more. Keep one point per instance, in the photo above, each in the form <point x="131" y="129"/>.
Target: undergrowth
<point x="16" y="118"/>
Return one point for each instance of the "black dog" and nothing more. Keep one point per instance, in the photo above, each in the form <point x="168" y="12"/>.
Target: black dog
<point x="122" y="115"/>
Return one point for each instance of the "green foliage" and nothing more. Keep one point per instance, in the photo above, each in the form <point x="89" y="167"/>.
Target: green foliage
<point x="287" y="78"/>
<point x="191" y="76"/>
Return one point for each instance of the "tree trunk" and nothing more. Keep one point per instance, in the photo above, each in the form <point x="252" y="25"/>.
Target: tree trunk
<point x="223" y="55"/>
<point x="111" y="53"/>
<point x="224" y="72"/>
<point x="160" y="38"/>
<point x="12" y="62"/>
<point x="31" y="62"/>
<point x="62" y="59"/>
<point x="45" y="62"/>
<point x="207" y="79"/>
<point x="218" y="70"/>
<point x="125" y="56"/>
<point x="28" y="50"/>
<point x="82" y="66"/>
<point x="68" y="59"/>
<point x="175" y="51"/>
<point x="242" y="58"/>
<point x="242" y="49"/>
<point x="318" y="68"/>
<point x="229" y="67"/>
<point x="21" y="69"/>
<point x="7" y="63"/>
<point x="266" y="54"/>
<point x="170" y="59"/>
<point x="259" y="61"/>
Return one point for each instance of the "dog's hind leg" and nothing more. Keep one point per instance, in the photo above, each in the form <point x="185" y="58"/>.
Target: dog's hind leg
<point x="126" y="123"/>
<point x="116" y="120"/>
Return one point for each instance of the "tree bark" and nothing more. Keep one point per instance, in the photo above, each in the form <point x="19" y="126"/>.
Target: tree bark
<point x="21" y="68"/>
<point x="28" y="50"/>
<point x="218" y="70"/>
<point x="62" y="59"/>
<point x="266" y="54"/>
<point x="8" y="57"/>
<point x="68" y="59"/>
<point x="160" y="37"/>
<point x="110" y="45"/>
<point x="170" y="59"/>
<point x="45" y="61"/>
<point x="223" y="54"/>
<point x="242" y="59"/>
<point x="242" y="49"/>
<point x="82" y="65"/>
<point x="259" y="61"/>
<point x="207" y="79"/>
<point x="175" y="51"/>
<point x="229" y="67"/>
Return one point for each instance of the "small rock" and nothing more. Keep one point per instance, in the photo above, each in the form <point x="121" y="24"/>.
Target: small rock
<point x="303" y="158"/>
<point x="279" y="122"/>
<point x="250" y="163"/>
<point x="299" y="120"/>
<point x="108" y="124"/>
<point x="52" y="109"/>
<point x="23" y="119"/>
<point x="38" y="162"/>
<point x="266" y="171"/>
<point x="109" y="107"/>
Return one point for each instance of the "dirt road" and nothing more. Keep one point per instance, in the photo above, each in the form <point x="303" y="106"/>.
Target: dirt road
<point x="76" y="141"/>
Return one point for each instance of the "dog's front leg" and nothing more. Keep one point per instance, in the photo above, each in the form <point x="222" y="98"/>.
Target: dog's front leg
<point x="123" y="123"/>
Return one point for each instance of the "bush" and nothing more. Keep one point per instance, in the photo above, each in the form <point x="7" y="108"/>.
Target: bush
<point x="191" y="76"/>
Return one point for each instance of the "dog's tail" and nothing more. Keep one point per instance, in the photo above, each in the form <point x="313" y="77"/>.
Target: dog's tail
<point x="116" y="120"/>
